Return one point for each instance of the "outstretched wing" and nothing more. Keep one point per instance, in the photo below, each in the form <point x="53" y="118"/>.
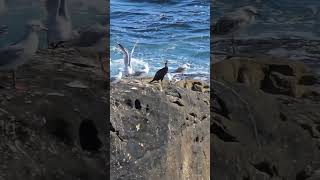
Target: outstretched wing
<point x="125" y="54"/>
<point x="132" y="50"/>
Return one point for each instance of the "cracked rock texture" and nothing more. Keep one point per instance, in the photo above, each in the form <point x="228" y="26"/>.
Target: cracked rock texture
<point x="159" y="134"/>
<point x="265" y="120"/>
<point x="55" y="126"/>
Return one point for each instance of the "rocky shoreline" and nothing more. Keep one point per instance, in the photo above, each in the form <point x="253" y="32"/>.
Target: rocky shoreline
<point x="160" y="134"/>
<point x="55" y="125"/>
<point x="265" y="119"/>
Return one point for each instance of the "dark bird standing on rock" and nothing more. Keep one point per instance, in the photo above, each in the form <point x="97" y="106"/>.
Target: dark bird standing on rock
<point x="160" y="73"/>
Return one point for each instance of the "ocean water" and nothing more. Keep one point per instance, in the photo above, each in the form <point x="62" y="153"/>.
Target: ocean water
<point x="177" y="31"/>
<point x="19" y="12"/>
<point x="279" y="18"/>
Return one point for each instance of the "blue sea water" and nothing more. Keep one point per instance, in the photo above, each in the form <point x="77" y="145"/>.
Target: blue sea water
<point x="278" y="18"/>
<point x="177" y="31"/>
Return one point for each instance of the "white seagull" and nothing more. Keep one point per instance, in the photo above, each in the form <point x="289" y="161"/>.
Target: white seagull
<point x="59" y="23"/>
<point x="182" y="69"/>
<point x="92" y="40"/>
<point x="232" y="23"/>
<point x="143" y="72"/>
<point x="116" y="78"/>
<point x="128" y="71"/>
<point x="13" y="56"/>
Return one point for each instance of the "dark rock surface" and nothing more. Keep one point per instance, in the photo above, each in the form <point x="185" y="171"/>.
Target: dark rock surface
<point x="159" y="134"/>
<point x="54" y="126"/>
<point x="264" y="130"/>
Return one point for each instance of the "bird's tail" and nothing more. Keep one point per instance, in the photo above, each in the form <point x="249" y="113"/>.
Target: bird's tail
<point x="151" y="81"/>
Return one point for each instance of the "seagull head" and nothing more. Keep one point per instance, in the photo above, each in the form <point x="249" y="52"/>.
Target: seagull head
<point x="250" y="10"/>
<point x="36" y="25"/>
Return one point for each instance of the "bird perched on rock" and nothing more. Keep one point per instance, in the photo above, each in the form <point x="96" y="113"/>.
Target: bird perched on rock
<point x="182" y="69"/>
<point x="91" y="41"/>
<point x="116" y="78"/>
<point x="232" y="23"/>
<point x="143" y="72"/>
<point x="160" y="73"/>
<point x="13" y="56"/>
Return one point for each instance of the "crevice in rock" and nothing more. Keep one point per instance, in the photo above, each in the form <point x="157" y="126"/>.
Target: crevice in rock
<point x="60" y="128"/>
<point x="112" y="129"/>
<point x="128" y="102"/>
<point x="179" y="103"/>
<point x="308" y="80"/>
<point x="246" y="178"/>
<point x="196" y="139"/>
<point x="137" y="104"/>
<point x="222" y="133"/>
<point x="204" y="117"/>
<point x="275" y="84"/>
<point x="283" y="117"/>
<point x="193" y="115"/>
<point x="147" y="108"/>
<point x="266" y="168"/>
<point x="88" y="136"/>
<point x="283" y="69"/>
<point x="309" y="129"/>
<point x="302" y="175"/>
<point x="222" y="109"/>
<point x="242" y="75"/>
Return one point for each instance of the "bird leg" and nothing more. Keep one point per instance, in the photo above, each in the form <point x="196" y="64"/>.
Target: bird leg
<point x="233" y="45"/>
<point x="13" y="78"/>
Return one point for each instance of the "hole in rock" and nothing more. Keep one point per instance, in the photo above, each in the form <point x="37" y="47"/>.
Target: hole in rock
<point x="137" y="104"/>
<point x="60" y="128"/>
<point x="88" y="136"/>
<point x="196" y="139"/>
<point x="128" y="102"/>
<point x="222" y="133"/>
<point x="267" y="168"/>
<point x="147" y="108"/>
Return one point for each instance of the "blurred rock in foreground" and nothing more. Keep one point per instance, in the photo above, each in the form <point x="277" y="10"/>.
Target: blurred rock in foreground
<point x="55" y="126"/>
<point x="265" y="119"/>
